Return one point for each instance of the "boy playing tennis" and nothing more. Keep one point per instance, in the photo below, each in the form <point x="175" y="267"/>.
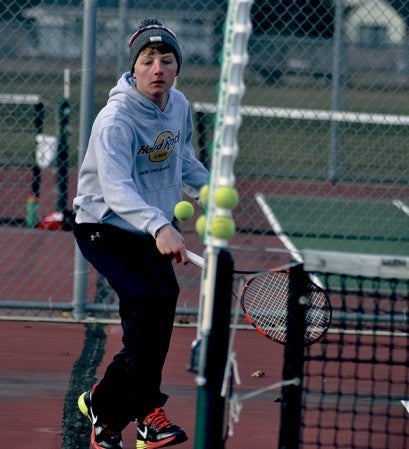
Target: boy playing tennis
<point x="138" y="159"/>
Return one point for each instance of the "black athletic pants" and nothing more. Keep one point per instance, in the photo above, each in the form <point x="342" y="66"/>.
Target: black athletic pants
<point x="146" y="285"/>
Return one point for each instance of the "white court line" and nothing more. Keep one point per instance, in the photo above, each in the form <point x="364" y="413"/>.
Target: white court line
<point x="276" y="227"/>
<point x="278" y="230"/>
<point x="402" y="206"/>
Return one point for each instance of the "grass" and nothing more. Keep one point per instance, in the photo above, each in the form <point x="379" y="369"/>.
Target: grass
<point x="288" y="148"/>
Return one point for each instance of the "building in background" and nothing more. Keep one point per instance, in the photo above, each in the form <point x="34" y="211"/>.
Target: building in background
<point x="374" y="23"/>
<point x="56" y="25"/>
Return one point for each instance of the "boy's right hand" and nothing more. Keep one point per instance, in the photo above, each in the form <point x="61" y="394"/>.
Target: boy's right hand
<point x="170" y="242"/>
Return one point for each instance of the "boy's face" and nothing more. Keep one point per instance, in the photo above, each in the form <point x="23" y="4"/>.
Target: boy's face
<point x="155" y="72"/>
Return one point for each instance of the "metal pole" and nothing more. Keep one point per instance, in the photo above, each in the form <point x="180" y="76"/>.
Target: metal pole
<point x="123" y="30"/>
<point x="339" y="70"/>
<point x="86" y="119"/>
<point x="64" y="111"/>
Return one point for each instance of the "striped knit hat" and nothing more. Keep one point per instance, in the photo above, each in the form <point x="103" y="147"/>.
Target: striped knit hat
<point x="151" y="31"/>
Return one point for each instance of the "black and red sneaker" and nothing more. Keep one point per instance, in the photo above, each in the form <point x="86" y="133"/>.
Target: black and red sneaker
<point x="157" y="431"/>
<point x="102" y="436"/>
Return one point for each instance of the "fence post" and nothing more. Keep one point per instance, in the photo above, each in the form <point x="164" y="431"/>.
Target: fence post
<point x="339" y="74"/>
<point x="202" y="137"/>
<point x="86" y="118"/>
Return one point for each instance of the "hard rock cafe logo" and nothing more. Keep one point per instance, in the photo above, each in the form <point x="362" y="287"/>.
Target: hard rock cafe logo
<point x="162" y="148"/>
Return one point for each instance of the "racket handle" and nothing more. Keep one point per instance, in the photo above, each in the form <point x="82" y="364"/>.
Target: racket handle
<point x="195" y="259"/>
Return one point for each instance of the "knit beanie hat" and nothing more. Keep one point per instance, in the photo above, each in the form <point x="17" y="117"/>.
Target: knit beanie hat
<point x="151" y="31"/>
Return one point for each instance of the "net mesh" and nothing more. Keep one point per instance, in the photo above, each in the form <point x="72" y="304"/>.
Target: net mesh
<point x="356" y="380"/>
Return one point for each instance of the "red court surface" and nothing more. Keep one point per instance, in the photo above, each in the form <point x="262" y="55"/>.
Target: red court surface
<point x="36" y="366"/>
<point x="37" y="359"/>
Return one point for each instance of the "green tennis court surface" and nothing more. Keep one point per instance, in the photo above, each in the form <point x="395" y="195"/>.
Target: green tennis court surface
<point x="363" y="226"/>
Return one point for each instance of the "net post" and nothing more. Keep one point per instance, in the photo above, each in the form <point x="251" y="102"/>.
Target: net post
<point x="32" y="200"/>
<point x="39" y="115"/>
<point x="293" y="359"/>
<point x="210" y="406"/>
<point x="64" y="109"/>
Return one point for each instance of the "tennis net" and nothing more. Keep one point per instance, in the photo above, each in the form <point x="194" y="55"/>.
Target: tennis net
<point x="355" y="381"/>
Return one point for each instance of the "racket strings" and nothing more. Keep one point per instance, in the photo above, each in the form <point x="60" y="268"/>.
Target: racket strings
<point x="265" y="301"/>
<point x="317" y="314"/>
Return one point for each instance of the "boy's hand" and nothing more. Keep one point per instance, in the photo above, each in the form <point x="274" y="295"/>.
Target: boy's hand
<point x="170" y="242"/>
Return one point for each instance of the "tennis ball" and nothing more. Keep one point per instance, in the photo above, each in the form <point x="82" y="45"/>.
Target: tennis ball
<point x="184" y="210"/>
<point x="222" y="228"/>
<point x="226" y="197"/>
<point x="204" y="195"/>
<point x="200" y="225"/>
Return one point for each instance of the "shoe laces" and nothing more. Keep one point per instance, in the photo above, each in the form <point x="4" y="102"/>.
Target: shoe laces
<point x="157" y="419"/>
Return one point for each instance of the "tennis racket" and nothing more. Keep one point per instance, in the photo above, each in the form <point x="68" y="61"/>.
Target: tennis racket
<point x="264" y="301"/>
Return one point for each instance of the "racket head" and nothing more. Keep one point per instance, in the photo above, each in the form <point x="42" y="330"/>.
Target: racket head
<point x="264" y="301"/>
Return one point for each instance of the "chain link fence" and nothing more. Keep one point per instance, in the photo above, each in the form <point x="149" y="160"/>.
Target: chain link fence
<point x="324" y="149"/>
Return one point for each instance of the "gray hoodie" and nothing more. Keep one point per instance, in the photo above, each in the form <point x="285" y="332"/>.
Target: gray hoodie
<point x="138" y="161"/>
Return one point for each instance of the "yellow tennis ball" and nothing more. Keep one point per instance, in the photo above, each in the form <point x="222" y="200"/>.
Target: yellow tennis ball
<point x="200" y="225"/>
<point x="204" y="195"/>
<point x="184" y="210"/>
<point x="222" y="228"/>
<point x="226" y="197"/>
